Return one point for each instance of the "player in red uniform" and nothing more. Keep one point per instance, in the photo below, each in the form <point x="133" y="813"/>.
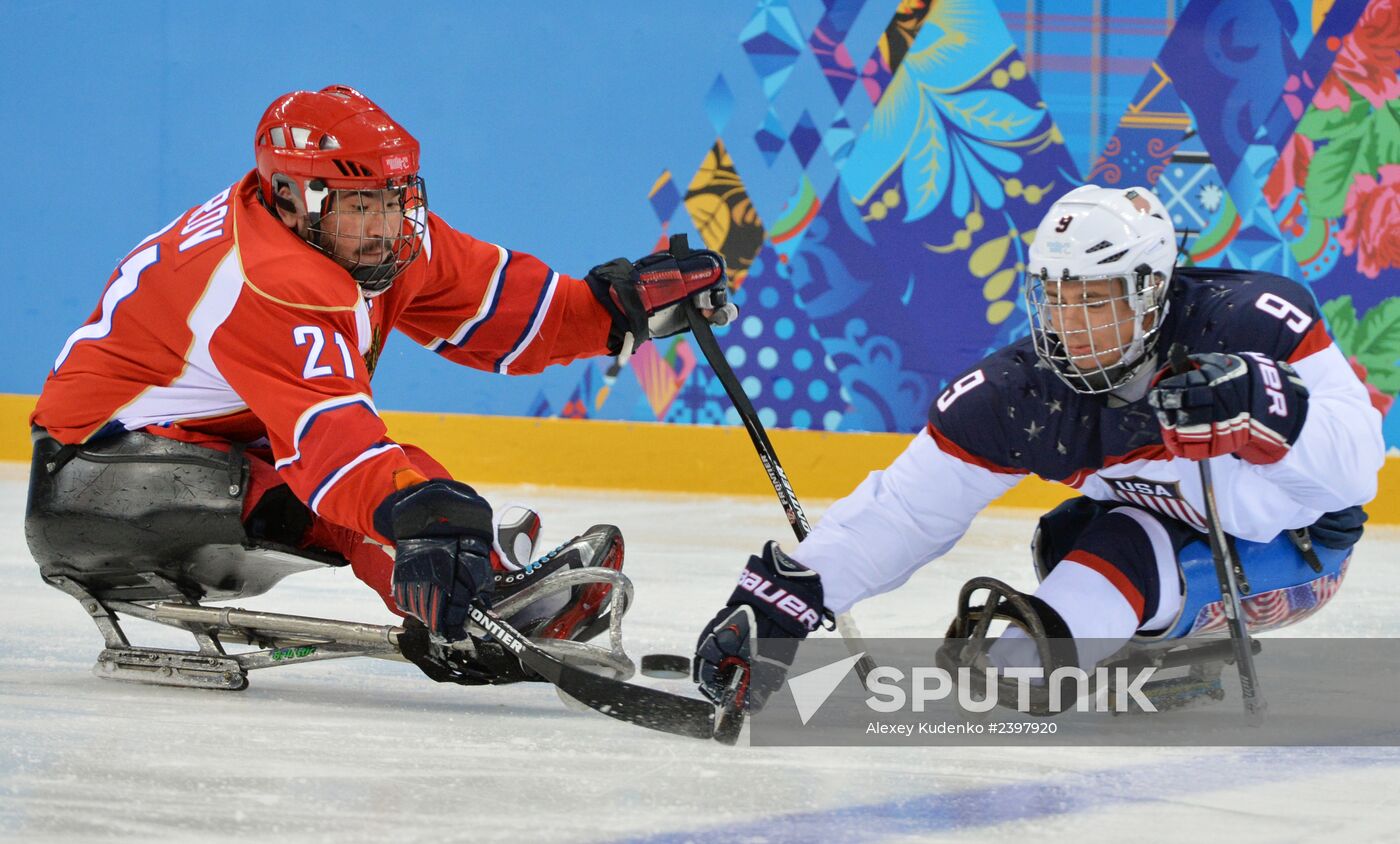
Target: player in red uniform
<point x="255" y="320"/>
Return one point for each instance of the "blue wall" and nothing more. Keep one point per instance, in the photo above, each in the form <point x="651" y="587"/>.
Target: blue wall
<point x="542" y="126"/>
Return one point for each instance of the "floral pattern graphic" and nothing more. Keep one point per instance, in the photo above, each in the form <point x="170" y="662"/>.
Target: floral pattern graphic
<point x="724" y="215"/>
<point x="1372" y="230"/>
<point x="1371" y="342"/>
<point x="1368" y="60"/>
<point x="894" y="228"/>
<point x="943" y="129"/>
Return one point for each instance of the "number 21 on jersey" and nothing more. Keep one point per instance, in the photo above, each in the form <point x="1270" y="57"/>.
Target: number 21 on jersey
<point x="315" y="336"/>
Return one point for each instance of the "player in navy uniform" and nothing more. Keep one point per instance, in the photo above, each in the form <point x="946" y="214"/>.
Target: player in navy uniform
<point x="1087" y="400"/>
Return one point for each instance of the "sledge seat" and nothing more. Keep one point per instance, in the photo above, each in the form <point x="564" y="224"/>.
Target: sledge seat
<point x="138" y="517"/>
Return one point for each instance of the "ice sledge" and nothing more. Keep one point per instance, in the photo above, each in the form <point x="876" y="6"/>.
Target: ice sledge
<point x="147" y="527"/>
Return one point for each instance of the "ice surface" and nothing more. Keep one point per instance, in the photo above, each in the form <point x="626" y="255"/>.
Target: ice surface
<point x="364" y="750"/>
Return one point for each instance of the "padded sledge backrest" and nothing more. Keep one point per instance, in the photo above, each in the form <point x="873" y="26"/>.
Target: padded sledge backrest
<point x="108" y="514"/>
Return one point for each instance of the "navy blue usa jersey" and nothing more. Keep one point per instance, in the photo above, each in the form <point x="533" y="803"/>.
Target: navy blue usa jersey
<point x="1010" y="416"/>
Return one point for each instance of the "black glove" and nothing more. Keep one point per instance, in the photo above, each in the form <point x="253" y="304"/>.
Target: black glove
<point x="777" y="599"/>
<point x="645" y="298"/>
<point x="486" y="664"/>
<point x="1246" y="405"/>
<point x="1340" y="529"/>
<point x="442" y="536"/>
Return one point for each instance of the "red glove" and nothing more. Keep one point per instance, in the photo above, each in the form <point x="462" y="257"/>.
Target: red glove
<point x="645" y="298"/>
<point x="1246" y="405"/>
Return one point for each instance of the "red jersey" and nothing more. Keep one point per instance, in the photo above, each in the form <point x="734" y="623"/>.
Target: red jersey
<point x="225" y="323"/>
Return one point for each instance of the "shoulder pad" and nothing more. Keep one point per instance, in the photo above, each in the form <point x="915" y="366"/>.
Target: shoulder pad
<point x="973" y="414"/>
<point x="291" y="273"/>
<point x="1242" y="311"/>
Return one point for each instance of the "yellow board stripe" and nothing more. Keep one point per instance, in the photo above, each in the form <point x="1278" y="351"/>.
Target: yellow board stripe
<point x="654" y="456"/>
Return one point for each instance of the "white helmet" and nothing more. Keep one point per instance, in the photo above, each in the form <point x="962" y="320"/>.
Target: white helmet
<point x="1099" y="234"/>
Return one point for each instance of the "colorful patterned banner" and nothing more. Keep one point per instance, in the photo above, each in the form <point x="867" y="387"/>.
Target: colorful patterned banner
<point x="905" y="151"/>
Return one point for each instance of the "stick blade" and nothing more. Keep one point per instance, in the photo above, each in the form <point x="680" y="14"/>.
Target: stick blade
<point x="640" y="705"/>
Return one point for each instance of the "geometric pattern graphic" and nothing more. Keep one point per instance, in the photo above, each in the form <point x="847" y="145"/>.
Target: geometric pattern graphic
<point x="778" y="356"/>
<point x="1088" y="58"/>
<point x="773" y="44"/>
<point x="904" y="151"/>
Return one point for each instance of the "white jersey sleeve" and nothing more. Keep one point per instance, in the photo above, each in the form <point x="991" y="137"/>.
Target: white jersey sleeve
<point x="1334" y="463"/>
<point x="898" y="520"/>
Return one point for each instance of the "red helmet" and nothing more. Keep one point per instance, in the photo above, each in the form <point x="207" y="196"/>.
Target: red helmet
<point x="337" y="140"/>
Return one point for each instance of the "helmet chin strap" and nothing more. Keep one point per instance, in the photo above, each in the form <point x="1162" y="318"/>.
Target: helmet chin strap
<point x="373" y="279"/>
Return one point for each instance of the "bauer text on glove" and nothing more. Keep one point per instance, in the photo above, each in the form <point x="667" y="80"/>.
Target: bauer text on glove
<point x="779" y="601"/>
<point x="1247" y="405"/>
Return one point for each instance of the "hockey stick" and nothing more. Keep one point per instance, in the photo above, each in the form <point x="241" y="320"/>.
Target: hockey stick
<point x="709" y="346"/>
<point x="617" y="699"/>
<point x="1254" y="703"/>
<point x="646" y="707"/>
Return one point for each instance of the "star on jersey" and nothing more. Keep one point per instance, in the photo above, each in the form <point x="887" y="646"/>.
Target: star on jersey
<point x="1033" y="431"/>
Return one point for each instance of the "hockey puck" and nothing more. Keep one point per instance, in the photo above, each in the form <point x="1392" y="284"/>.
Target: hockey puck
<point x="666" y="666"/>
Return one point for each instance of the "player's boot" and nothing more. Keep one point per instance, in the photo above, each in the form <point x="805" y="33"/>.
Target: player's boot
<point x="536" y="602"/>
<point x="532" y="597"/>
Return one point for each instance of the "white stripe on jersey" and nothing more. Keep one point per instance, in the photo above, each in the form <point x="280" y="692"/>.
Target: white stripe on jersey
<point x="334" y="479"/>
<point x="420" y="215"/>
<point x="506" y="361"/>
<point x="162" y="230"/>
<point x="362" y="326"/>
<point x="201" y="390"/>
<point x="483" y="309"/>
<point x="123" y="286"/>
<point x="309" y="415"/>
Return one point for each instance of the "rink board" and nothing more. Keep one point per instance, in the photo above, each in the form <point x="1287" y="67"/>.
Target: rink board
<point x="651" y="456"/>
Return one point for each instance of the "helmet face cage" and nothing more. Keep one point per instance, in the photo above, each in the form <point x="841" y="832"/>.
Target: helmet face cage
<point x="352" y="174"/>
<point x="1060" y="320"/>
<point x="373" y="233"/>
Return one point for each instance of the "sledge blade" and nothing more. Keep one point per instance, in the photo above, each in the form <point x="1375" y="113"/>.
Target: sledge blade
<point x="171" y="668"/>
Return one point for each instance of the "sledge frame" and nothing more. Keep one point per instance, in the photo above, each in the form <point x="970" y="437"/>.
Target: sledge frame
<point x="281" y="639"/>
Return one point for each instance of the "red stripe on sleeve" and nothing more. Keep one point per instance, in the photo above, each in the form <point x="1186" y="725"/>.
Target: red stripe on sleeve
<point x="949" y="447"/>
<point x="1313" y="342"/>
